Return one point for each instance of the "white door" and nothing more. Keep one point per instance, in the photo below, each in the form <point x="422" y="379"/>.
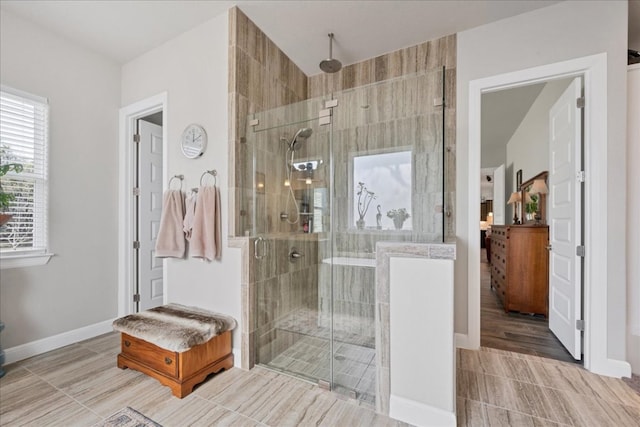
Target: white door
<point x="150" y="283"/>
<point x="565" y="225"/>
<point x="499" y="200"/>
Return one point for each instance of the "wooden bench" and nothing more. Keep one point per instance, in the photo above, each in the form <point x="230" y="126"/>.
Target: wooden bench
<point x="178" y="346"/>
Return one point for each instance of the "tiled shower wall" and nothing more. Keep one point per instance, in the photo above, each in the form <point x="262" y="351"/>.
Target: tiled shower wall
<point x="429" y="57"/>
<point x="261" y="77"/>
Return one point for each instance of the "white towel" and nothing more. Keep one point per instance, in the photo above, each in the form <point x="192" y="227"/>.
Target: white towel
<point x="189" y="215"/>
<point x="170" y="241"/>
<point x="205" y="235"/>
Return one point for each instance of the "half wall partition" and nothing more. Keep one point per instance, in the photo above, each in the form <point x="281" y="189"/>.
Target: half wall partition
<point x="326" y="179"/>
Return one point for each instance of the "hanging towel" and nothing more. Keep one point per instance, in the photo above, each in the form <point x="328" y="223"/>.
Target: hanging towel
<point x="190" y="213"/>
<point x="205" y="235"/>
<point x="170" y="241"/>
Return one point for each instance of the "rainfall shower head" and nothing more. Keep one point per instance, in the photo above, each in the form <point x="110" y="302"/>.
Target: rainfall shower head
<point x="300" y="135"/>
<point x="330" y="65"/>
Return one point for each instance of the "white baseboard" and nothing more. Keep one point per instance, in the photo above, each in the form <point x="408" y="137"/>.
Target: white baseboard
<point x="419" y="414"/>
<point x="237" y="357"/>
<point x="462" y="341"/>
<point x="616" y="368"/>
<point x="34" y="348"/>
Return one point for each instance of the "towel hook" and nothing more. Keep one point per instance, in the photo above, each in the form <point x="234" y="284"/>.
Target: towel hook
<point x="213" y="173"/>
<point x="180" y="177"/>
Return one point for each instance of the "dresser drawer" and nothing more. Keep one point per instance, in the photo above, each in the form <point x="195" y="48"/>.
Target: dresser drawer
<point x="157" y="358"/>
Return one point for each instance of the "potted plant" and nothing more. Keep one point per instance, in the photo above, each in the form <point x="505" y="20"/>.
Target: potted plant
<point x="531" y="207"/>
<point x="7" y="198"/>
<point x="399" y="216"/>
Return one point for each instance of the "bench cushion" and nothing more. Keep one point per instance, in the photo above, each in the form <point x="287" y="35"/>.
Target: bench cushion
<point x="175" y="327"/>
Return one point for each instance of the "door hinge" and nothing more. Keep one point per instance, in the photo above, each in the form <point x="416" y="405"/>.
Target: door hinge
<point x="136" y="244"/>
<point x="136" y="297"/>
<point x="324" y="116"/>
<point x="580" y="102"/>
<point x="580" y="250"/>
<point x="580" y="324"/>
<point x="136" y="137"/>
<point x="136" y="191"/>
<point x="580" y="176"/>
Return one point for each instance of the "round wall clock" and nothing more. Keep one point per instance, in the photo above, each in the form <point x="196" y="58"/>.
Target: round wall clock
<point x="193" y="141"/>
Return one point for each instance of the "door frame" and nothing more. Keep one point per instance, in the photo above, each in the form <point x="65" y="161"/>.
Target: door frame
<point x="593" y="70"/>
<point x="127" y="123"/>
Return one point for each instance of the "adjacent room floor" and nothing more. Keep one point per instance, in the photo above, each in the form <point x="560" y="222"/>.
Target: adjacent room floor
<point x="80" y="384"/>
<point x="522" y="333"/>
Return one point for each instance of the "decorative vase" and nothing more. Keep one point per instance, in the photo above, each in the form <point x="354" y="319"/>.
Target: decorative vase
<point x="398" y="222"/>
<point x="360" y="224"/>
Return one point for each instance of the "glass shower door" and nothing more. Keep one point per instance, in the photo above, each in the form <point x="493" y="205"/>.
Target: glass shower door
<point x="291" y="228"/>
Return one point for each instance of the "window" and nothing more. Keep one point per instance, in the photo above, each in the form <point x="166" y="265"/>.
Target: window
<point x="24" y="140"/>
<point x="388" y="177"/>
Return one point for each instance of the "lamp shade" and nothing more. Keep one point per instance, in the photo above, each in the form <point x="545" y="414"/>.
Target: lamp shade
<point x="527" y="197"/>
<point x="514" y="198"/>
<point x="539" y="187"/>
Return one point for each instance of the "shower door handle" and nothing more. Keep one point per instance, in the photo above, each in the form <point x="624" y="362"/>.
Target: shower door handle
<point x="256" y="245"/>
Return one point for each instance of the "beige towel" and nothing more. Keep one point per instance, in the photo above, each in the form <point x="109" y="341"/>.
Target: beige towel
<point x="205" y="234"/>
<point x="170" y="241"/>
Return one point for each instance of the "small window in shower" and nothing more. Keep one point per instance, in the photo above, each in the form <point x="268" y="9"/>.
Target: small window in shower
<point x="382" y="191"/>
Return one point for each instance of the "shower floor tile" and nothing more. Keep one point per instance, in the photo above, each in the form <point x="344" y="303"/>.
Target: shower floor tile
<point x="305" y="321"/>
<point x="354" y="366"/>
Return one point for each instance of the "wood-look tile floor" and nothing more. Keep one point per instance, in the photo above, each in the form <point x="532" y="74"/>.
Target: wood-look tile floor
<point x="517" y="332"/>
<point x="80" y="384"/>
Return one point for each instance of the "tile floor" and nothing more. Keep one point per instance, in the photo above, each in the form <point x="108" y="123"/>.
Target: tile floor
<point x="80" y="384"/>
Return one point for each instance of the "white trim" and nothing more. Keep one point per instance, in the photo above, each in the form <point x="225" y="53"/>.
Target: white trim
<point x="128" y="116"/>
<point x="23" y="94"/>
<point x="34" y="348"/>
<point x="24" y="260"/>
<point x="462" y="340"/>
<point x="594" y="70"/>
<point x="419" y="414"/>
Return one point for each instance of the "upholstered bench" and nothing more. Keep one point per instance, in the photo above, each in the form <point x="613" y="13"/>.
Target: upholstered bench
<point x="177" y="345"/>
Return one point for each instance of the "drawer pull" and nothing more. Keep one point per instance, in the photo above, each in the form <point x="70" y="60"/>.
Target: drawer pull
<point x="127" y="344"/>
<point x="168" y="361"/>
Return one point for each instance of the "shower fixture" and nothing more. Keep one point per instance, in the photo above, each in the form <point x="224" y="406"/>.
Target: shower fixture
<point x="292" y="145"/>
<point x="330" y="65"/>
<point x="301" y="134"/>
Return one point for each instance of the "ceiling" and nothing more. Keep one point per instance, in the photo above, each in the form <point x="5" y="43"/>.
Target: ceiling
<point x="123" y="30"/>
<point x="502" y="113"/>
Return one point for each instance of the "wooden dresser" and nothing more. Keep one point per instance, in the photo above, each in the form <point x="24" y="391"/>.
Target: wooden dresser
<point x="520" y="267"/>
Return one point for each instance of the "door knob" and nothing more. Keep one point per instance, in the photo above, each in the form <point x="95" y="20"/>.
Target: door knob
<point x="548" y="247"/>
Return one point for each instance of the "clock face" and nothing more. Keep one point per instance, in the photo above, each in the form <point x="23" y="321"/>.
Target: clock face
<point x="194" y="141"/>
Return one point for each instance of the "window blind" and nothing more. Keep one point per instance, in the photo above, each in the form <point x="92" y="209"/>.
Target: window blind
<point x="24" y="140"/>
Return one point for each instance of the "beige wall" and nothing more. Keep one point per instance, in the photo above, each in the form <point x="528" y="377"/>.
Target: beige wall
<point x="191" y="70"/>
<point x="545" y="36"/>
<point x="78" y="287"/>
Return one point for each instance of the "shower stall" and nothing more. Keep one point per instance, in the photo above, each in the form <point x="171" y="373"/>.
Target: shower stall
<point x="325" y="180"/>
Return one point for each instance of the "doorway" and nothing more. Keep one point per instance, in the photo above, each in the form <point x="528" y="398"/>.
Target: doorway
<point x="515" y="133"/>
<point x="142" y="178"/>
<point x="147" y="209"/>
<point x="593" y="69"/>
